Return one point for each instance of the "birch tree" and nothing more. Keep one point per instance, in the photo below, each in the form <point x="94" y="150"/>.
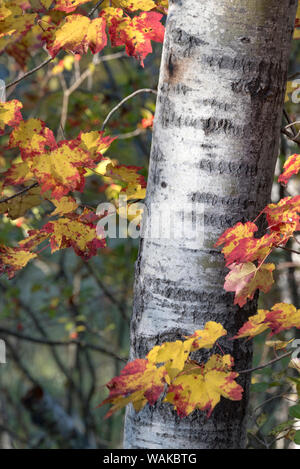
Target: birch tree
<point x="215" y="143"/>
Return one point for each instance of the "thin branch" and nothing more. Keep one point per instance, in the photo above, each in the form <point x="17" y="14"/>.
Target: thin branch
<point x="285" y="355"/>
<point x="106" y="291"/>
<point x="120" y="104"/>
<point x="294" y="76"/>
<point x="30" y="72"/>
<point x="95" y="8"/>
<point x="288" y="249"/>
<point x="86" y="74"/>
<point x="19" y="193"/>
<point x="59" y="343"/>
<point x="132" y="134"/>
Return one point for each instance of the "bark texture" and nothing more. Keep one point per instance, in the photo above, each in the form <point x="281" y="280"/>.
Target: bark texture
<point x="215" y="142"/>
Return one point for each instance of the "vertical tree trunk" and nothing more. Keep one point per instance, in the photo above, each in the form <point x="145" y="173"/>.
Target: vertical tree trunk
<point x="215" y="142"/>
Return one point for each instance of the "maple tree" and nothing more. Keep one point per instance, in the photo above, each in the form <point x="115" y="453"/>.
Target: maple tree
<point x="53" y="170"/>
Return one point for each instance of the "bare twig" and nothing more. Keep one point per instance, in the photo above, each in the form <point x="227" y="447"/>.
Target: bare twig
<point x="59" y="343"/>
<point x="285" y="355"/>
<point x="120" y="104"/>
<point x="30" y="72"/>
<point x="95" y="8"/>
<point x="288" y="249"/>
<point x="106" y="291"/>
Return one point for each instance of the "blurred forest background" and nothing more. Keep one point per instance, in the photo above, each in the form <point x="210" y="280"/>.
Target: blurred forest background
<point x="66" y="322"/>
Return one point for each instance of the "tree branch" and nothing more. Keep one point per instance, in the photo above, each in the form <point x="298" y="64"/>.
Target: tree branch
<point x="23" y="191"/>
<point x="59" y="343"/>
<point x="285" y="355"/>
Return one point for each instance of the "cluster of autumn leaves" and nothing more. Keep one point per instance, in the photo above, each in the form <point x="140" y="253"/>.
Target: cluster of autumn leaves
<point x="27" y="25"/>
<point x="168" y="371"/>
<point x="53" y="171"/>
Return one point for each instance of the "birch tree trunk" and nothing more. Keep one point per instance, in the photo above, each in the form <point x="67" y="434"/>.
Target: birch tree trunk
<point x="215" y="142"/>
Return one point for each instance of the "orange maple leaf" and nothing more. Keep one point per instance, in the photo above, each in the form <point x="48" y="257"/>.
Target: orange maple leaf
<point x="245" y="279"/>
<point x="291" y="167"/>
<point x="282" y="316"/>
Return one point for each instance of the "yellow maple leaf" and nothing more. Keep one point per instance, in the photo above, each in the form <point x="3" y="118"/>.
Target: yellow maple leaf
<point x="95" y="142"/>
<point x="55" y="171"/>
<point x="134" y="184"/>
<point x="201" y="386"/>
<point x="278" y="344"/>
<point x="207" y="337"/>
<point x="131" y="5"/>
<point x="32" y="137"/>
<point x="10" y="113"/>
<point x="77" y="34"/>
<point x="244" y="279"/>
<point x="175" y="354"/>
<point x="14" y="23"/>
<point x="282" y="316"/>
<point x="14" y="259"/>
<point x="139" y="382"/>
<point x="64" y="205"/>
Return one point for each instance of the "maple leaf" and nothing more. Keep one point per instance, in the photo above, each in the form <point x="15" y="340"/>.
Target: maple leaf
<point x="282" y="316"/>
<point x="17" y="174"/>
<point x="253" y="249"/>
<point x="134" y="184"/>
<point x="15" y="22"/>
<point x="175" y="354"/>
<point x="32" y="137"/>
<point x="245" y="279"/>
<point x="77" y="34"/>
<point x="232" y="236"/>
<point x="13" y="259"/>
<point x="17" y="206"/>
<point x="136" y="33"/>
<point x="57" y="171"/>
<point x="64" y="205"/>
<point x="207" y="337"/>
<point x="131" y="5"/>
<point x="291" y="167"/>
<point x="23" y="48"/>
<point x="10" y="114"/>
<point x="94" y="142"/>
<point x="76" y="231"/>
<point x="283" y="217"/>
<point x="139" y="382"/>
<point x="201" y="386"/>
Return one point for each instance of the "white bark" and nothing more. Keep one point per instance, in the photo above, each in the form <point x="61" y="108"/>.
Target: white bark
<point x="215" y="142"/>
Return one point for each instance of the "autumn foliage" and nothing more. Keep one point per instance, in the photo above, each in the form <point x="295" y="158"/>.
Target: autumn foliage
<point x="52" y="170"/>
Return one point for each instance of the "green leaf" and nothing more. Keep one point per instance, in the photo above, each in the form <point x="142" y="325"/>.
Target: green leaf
<point x="294" y="411"/>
